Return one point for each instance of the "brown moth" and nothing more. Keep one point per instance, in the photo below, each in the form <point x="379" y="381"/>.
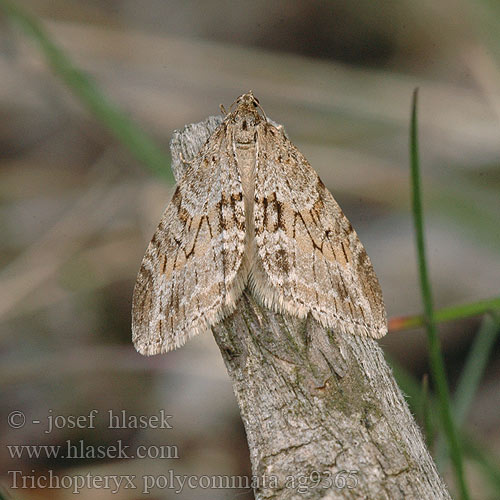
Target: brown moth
<point x="249" y="210"/>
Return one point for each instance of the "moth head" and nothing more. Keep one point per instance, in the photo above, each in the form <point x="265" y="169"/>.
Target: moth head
<point x="247" y="99"/>
<point x="247" y="114"/>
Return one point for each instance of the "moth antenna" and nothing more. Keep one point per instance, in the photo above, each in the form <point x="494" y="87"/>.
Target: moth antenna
<point x="261" y="108"/>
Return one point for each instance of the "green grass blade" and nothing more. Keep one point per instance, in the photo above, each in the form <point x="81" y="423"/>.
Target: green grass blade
<point x="462" y="311"/>
<point x="475" y="366"/>
<point x="435" y="355"/>
<point x="471" y="375"/>
<point x="115" y="120"/>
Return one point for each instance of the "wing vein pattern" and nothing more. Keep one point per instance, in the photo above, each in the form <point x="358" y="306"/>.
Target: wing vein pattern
<point x="309" y="258"/>
<point x="188" y="277"/>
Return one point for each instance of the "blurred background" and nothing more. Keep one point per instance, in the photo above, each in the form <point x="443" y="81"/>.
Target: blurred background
<point x="77" y="209"/>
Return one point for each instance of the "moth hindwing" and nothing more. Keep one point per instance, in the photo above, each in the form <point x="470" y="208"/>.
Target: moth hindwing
<point x="250" y="210"/>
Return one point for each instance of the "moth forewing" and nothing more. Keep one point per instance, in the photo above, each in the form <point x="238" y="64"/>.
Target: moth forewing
<point x="309" y="258"/>
<point x="189" y="276"/>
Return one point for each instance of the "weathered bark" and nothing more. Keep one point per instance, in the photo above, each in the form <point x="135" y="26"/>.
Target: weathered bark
<point x="323" y="414"/>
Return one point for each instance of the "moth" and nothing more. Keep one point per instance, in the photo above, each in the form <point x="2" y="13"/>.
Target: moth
<point x="249" y="211"/>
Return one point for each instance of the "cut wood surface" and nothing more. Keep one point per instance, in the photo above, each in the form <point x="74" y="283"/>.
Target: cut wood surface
<point x="323" y="414"/>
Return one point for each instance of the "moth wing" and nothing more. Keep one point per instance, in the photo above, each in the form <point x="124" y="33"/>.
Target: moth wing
<point x="189" y="275"/>
<point x="308" y="257"/>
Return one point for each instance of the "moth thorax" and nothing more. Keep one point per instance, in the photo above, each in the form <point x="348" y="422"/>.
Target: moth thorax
<point x="245" y="123"/>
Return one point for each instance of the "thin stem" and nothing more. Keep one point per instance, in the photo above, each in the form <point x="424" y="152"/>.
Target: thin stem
<point x="435" y="355"/>
<point x="462" y="311"/>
